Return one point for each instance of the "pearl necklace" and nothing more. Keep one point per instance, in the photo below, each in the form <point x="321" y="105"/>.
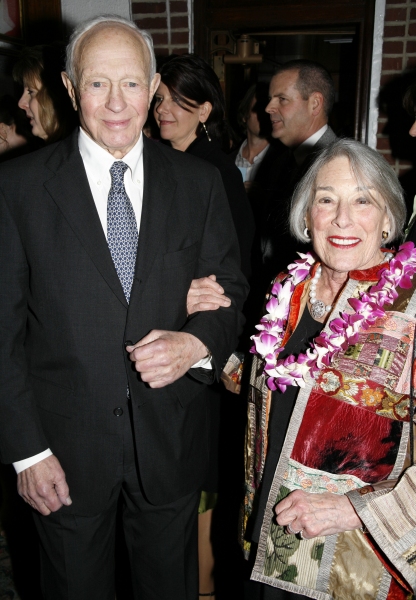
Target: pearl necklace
<point x="318" y="308"/>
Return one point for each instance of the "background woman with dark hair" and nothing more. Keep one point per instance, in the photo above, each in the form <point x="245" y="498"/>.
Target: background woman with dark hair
<point x="255" y="123"/>
<point x="45" y="99"/>
<point x="189" y="110"/>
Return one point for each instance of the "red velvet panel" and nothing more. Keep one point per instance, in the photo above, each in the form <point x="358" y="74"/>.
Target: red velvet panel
<point x="337" y="437"/>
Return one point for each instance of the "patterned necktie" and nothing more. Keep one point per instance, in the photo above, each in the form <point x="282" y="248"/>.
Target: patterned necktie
<point x="122" y="233"/>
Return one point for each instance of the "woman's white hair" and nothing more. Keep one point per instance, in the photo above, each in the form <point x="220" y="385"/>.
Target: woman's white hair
<point x="369" y="168"/>
<point x="78" y="33"/>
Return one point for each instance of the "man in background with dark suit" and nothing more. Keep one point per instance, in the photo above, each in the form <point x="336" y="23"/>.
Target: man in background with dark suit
<point x="103" y="376"/>
<point x="301" y="98"/>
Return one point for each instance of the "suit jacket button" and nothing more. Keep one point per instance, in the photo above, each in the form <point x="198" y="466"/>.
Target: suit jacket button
<point x="118" y="411"/>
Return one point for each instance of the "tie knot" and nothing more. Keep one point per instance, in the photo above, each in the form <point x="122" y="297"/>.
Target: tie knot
<point x="118" y="168"/>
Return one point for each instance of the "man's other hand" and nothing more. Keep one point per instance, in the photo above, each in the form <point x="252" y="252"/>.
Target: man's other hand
<point x="43" y="486"/>
<point x="162" y="357"/>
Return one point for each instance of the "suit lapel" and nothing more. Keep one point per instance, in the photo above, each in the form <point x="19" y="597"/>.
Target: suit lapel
<point x="70" y="190"/>
<point x="158" y="192"/>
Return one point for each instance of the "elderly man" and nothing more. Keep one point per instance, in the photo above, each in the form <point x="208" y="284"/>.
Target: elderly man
<point x="301" y="98"/>
<point x="103" y="375"/>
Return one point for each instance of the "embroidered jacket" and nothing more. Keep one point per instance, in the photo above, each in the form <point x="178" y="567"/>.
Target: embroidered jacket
<point x="348" y="434"/>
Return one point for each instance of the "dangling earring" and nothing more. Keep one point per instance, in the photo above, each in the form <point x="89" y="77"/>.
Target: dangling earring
<point x="206" y="131"/>
<point x="307" y="233"/>
<point x="385" y="235"/>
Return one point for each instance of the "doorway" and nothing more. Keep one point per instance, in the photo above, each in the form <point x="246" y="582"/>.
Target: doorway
<point x="338" y="34"/>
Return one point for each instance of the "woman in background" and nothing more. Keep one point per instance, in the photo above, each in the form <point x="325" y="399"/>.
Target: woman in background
<point x="189" y="110"/>
<point x="256" y="156"/>
<point x="45" y="99"/>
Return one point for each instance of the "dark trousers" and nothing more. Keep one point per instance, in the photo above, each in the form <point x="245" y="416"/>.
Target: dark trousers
<point x="260" y="591"/>
<point x="77" y="552"/>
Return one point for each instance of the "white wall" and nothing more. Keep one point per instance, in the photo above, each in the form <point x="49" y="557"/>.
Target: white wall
<point x="75" y="11"/>
<point x="380" y="10"/>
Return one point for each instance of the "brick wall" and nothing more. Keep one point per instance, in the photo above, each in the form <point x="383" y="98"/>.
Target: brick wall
<point x="399" y="55"/>
<point x="167" y="21"/>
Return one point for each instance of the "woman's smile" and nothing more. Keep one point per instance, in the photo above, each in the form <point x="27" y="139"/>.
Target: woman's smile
<point x="344" y="242"/>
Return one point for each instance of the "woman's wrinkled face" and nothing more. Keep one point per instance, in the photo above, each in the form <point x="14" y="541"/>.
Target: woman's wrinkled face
<point x="177" y="124"/>
<point x="346" y="219"/>
<point x="29" y="103"/>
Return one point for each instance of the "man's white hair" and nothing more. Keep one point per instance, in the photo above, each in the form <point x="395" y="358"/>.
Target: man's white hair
<point x="87" y="25"/>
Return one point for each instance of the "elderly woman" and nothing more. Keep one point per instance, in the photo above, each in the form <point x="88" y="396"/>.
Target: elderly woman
<point x="45" y="99"/>
<point x="329" y="406"/>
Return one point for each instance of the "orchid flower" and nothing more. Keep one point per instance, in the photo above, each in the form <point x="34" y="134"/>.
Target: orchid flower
<point x="344" y="329"/>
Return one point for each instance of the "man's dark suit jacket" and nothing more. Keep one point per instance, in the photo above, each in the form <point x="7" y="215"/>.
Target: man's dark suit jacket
<point x="64" y="320"/>
<point x="278" y="247"/>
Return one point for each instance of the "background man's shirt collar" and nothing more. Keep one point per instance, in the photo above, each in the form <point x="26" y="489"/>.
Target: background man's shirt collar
<point x="306" y="147"/>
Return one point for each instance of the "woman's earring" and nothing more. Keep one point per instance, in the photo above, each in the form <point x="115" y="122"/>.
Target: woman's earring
<point x="385" y="234"/>
<point x="307" y="233"/>
<point x="206" y="131"/>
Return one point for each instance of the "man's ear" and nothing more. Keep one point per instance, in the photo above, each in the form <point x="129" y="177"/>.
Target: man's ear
<point x="316" y="103"/>
<point x="153" y="87"/>
<point x="204" y="111"/>
<point x="70" y="89"/>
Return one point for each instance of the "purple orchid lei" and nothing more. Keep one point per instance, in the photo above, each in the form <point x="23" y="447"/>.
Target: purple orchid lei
<point x="344" y="329"/>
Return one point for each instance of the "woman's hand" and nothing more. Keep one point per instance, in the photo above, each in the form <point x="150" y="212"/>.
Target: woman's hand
<point x="316" y="514"/>
<point x="205" y="294"/>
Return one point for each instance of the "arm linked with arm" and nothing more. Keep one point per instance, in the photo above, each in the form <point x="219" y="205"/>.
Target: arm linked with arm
<point x="219" y="255"/>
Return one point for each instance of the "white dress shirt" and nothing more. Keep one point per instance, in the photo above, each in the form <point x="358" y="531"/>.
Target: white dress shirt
<point x="98" y="163"/>
<point x="307" y="146"/>
<point x="247" y="168"/>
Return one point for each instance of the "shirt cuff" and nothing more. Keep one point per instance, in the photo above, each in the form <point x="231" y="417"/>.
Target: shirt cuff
<point x="21" y="465"/>
<point x="204" y="363"/>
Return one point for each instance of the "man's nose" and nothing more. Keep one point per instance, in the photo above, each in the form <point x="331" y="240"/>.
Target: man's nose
<point x="412" y="130"/>
<point x="115" y="100"/>
<point x="269" y="108"/>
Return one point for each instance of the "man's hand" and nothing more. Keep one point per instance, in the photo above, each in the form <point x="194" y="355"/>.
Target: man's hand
<point x="162" y="357"/>
<point x="205" y="294"/>
<point x="316" y="514"/>
<point x="43" y="486"/>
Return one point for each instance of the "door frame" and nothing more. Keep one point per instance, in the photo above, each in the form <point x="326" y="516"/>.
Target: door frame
<point x="229" y="15"/>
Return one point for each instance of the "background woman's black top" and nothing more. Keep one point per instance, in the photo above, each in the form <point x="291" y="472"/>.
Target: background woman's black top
<point x="236" y="193"/>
